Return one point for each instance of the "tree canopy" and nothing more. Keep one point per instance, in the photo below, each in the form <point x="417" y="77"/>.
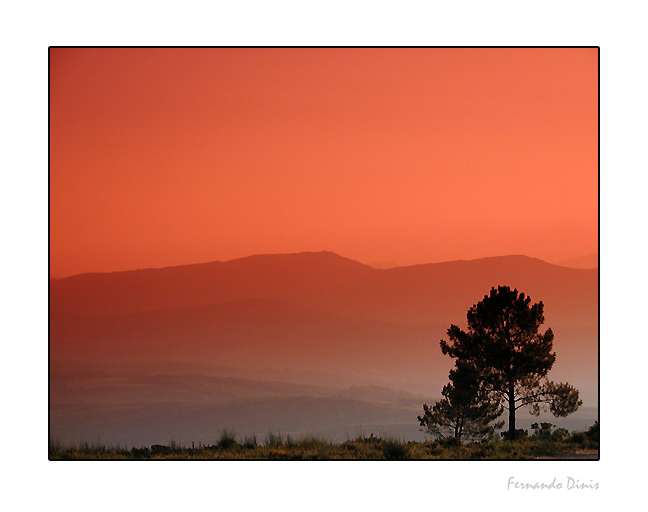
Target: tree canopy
<point x="466" y="409"/>
<point x="504" y="344"/>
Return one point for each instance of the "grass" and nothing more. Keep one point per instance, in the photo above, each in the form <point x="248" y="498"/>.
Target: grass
<point x="278" y="447"/>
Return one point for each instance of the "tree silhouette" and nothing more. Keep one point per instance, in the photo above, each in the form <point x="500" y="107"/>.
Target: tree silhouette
<point x="503" y="343"/>
<point x="466" y="409"/>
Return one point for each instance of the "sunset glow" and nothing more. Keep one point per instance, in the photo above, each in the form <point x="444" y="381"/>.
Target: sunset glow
<point x="163" y="157"/>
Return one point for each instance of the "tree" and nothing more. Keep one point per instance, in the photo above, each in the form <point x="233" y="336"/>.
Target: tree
<point x="512" y="357"/>
<point x="466" y="408"/>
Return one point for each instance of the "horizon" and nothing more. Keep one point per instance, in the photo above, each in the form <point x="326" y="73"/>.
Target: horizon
<point x="374" y="265"/>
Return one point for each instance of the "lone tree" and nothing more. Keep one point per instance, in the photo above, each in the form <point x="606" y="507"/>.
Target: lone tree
<point x="466" y="409"/>
<point x="503" y="343"/>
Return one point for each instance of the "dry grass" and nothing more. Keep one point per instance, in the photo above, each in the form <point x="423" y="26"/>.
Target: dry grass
<point x="278" y="447"/>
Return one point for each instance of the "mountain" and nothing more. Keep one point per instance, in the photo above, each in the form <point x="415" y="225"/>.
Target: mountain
<point x="438" y="292"/>
<point x="292" y="277"/>
<point x="317" y="312"/>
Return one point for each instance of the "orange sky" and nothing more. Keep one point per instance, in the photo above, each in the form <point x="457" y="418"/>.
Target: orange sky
<point x="163" y="157"/>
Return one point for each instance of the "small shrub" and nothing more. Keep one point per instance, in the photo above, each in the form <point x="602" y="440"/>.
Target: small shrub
<point x="520" y="433"/>
<point x="578" y="438"/>
<point x="227" y="440"/>
<point x="368" y="440"/>
<point x="560" y="434"/>
<point x="289" y="442"/>
<point x="449" y="442"/>
<point x="250" y="442"/>
<point x="312" y="443"/>
<point x="274" y="440"/>
<point x="140" y="453"/>
<point x="394" y="450"/>
<point x="349" y="446"/>
<point x="542" y="430"/>
<point x="593" y="432"/>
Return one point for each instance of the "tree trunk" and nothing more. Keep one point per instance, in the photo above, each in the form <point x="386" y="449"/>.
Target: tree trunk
<point x="511" y="404"/>
<point x="461" y="422"/>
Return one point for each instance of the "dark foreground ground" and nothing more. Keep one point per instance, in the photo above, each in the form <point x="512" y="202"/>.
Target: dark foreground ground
<point x="277" y="447"/>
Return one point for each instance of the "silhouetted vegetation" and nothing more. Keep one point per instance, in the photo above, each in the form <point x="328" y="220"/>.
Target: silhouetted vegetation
<point x="466" y="409"/>
<point x="542" y="443"/>
<point x="227" y="440"/>
<point x="593" y="432"/>
<point x="511" y="359"/>
<point x="395" y="450"/>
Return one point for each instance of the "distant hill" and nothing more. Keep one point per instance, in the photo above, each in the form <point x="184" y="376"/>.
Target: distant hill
<point x="437" y="292"/>
<point x="587" y="261"/>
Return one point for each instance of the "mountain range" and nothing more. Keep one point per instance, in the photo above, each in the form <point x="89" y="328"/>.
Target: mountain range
<point x="313" y="312"/>
<point x="324" y="280"/>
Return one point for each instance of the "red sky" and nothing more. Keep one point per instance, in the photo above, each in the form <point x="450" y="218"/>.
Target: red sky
<point x="163" y="157"/>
